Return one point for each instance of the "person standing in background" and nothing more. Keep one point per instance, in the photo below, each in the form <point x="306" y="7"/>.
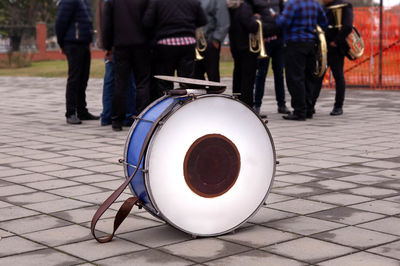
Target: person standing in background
<point x="173" y="23"/>
<point x="74" y="30"/>
<point x="243" y="16"/>
<point x="337" y="48"/>
<point x="275" y="52"/>
<point x="214" y="31"/>
<point x="123" y="31"/>
<point x="108" y="85"/>
<point x="298" y="22"/>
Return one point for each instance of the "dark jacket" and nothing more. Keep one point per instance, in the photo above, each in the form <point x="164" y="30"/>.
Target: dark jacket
<point x="174" y="18"/>
<point x="333" y="33"/>
<point x="243" y="22"/>
<point x="122" y="23"/>
<point x="74" y="23"/>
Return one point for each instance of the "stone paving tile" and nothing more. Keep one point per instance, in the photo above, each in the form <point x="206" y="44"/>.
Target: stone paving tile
<point x="4" y="204"/>
<point x="157" y="236"/>
<point x="22" y="179"/>
<point x="57" y="205"/>
<point x="258" y="236"/>
<point x="33" y="224"/>
<point x="145" y="258"/>
<point x="391" y="250"/>
<point x="346" y="215"/>
<point x="328" y="173"/>
<point x="361" y="259"/>
<point x="91" y="179"/>
<point x="374" y="192"/>
<point x="364" y="179"/>
<point x="379" y="206"/>
<point x="204" y="249"/>
<point x="295" y="179"/>
<point x="82" y="215"/>
<point x="303" y="225"/>
<point x="265" y="215"/>
<point x="254" y="258"/>
<point x="76" y="191"/>
<point x="389" y="173"/>
<point x="301" y="206"/>
<point x="273" y="197"/>
<point x="14" y="212"/>
<point x="16" y="245"/>
<point x="41" y="257"/>
<point x="14" y="189"/>
<point x="340" y="198"/>
<point x="60" y="235"/>
<point x="91" y="250"/>
<point x="304" y="249"/>
<point x="382" y="164"/>
<point x="300" y="191"/>
<point x="30" y="198"/>
<point x="332" y="185"/>
<point x="390" y="225"/>
<point x="356" y="237"/>
<point x="4" y="233"/>
<point x="51" y="184"/>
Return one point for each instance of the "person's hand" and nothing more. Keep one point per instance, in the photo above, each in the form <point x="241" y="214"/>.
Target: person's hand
<point x="108" y="55"/>
<point x="215" y="44"/>
<point x="333" y="44"/>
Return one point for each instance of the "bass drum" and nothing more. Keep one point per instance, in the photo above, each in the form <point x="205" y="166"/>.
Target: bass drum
<point x="209" y="164"/>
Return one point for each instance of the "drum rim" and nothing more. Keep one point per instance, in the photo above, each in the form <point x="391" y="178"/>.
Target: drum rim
<point x="146" y="175"/>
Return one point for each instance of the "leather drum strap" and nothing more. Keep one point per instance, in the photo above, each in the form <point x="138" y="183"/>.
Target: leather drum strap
<point x="127" y="206"/>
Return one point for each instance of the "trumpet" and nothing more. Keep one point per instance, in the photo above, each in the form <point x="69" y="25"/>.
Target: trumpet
<point x="256" y="41"/>
<point x="201" y="43"/>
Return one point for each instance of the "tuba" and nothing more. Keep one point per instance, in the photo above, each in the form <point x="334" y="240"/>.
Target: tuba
<point x="201" y="43"/>
<point x="256" y="41"/>
<point x="321" y="62"/>
<point x="353" y="40"/>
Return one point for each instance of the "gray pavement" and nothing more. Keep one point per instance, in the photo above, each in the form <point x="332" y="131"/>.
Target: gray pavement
<point x="335" y="199"/>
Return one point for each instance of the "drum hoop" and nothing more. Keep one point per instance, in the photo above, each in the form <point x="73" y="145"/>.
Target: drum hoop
<point x="150" y="145"/>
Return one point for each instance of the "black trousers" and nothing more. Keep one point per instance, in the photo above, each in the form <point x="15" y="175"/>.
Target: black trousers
<point x="167" y="60"/>
<point x="244" y="75"/>
<point x="128" y="59"/>
<point x="336" y="63"/>
<point x="209" y="65"/>
<point x="78" y="57"/>
<point x="299" y="65"/>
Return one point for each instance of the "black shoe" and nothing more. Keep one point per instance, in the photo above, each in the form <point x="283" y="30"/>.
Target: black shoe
<point x="88" y="116"/>
<point x="116" y="126"/>
<point x="283" y="110"/>
<point x="73" y="120"/>
<point x="337" y="111"/>
<point x="293" y="117"/>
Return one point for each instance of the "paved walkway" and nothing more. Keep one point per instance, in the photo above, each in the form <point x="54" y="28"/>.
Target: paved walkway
<point x="335" y="199"/>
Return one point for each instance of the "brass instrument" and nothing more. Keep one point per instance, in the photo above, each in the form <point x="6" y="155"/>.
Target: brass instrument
<point x="353" y="40"/>
<point x="321" y="63"/>
<point x="256" y="41"/>
<point x="337" y="14"/>
<point x="201" y="44"/>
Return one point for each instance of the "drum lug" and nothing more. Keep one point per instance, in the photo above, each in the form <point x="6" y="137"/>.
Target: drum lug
<point x="120" y="160"/>
<point x="277" y="162"/>
<point x="265" y="121"/>
<point x="236" y="95"/>
<point x="145" y="171"/>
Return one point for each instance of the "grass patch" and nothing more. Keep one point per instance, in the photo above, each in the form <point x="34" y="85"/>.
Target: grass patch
<point x="59" y="68"/>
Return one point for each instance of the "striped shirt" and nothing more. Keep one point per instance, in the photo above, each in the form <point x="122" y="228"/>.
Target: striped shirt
<point x="299" y="19"/>
<point x="177" y="41"/>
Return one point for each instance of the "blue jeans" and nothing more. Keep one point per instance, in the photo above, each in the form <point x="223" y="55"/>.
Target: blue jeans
<point x="275" y="51"/>
<point x="108" y="92"/>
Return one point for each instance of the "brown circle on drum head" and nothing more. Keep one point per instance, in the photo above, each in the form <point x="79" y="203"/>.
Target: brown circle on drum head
<point x="211" y="165"/>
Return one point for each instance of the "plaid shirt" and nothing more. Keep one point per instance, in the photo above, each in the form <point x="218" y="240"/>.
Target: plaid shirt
<point x="299" y="19"/>
<point x="177" y="41"/>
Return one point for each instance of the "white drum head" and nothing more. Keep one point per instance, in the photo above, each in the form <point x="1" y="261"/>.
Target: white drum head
<point x="211" y="165"/>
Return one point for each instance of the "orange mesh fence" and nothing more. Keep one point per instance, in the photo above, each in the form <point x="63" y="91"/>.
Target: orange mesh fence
<point x="365" y="72"/>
